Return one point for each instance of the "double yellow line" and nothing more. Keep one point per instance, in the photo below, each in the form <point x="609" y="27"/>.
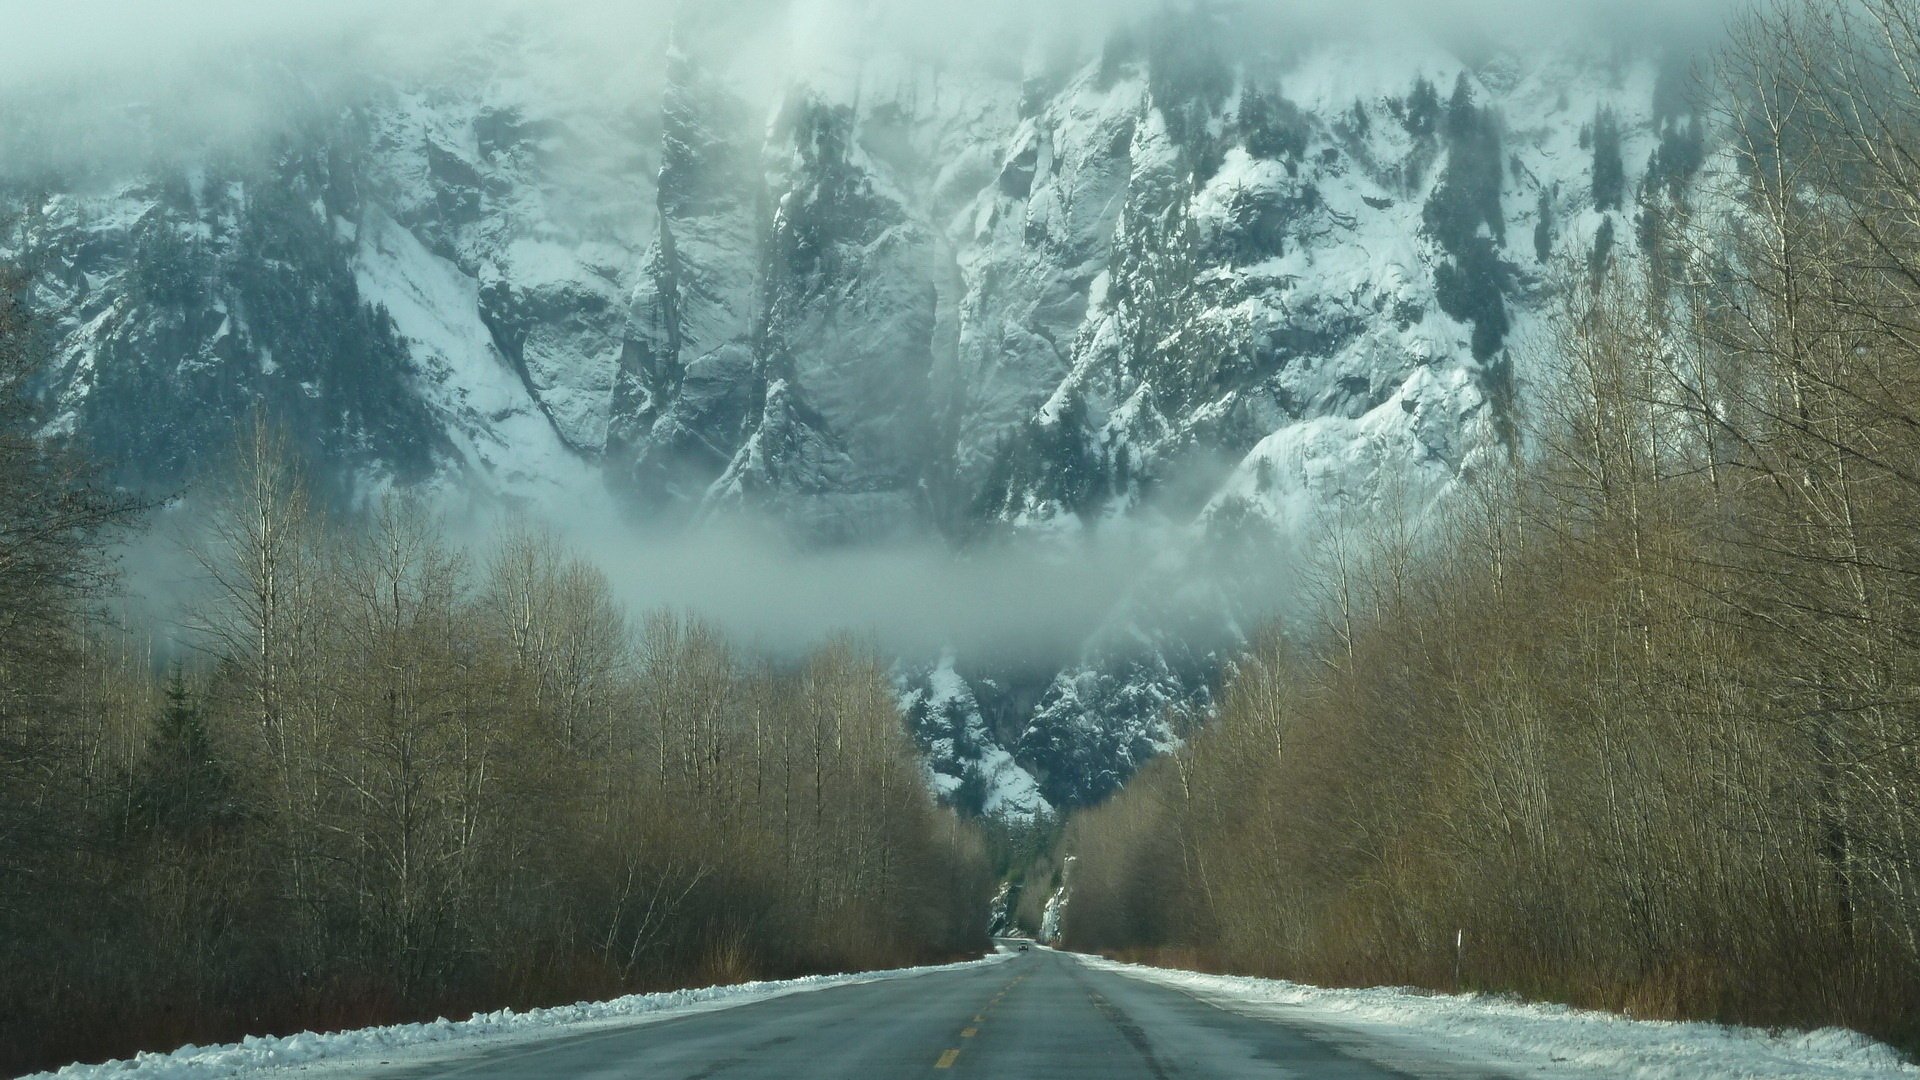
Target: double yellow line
<point x="949" y="1057"/>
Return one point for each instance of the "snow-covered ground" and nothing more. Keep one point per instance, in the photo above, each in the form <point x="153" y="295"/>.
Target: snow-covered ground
<point x="1529" y="1041"/>
<point x="338" y="1054"/>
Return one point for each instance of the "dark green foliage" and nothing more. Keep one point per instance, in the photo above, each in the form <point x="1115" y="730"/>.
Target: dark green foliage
<point x="1545" y="228"/>
<point x="1472" y="289"/>
<point x="250" y="302"/>
<point x="169" y="270"/>
<point x="1422" y="119"/>
<point x="1609" y="171"/>
<point x="1014" y="845"/>
<point x="1074" y="474"/>
<point x="296" y="285"/>
<point x="947" y="724"/>
<point x="1468" y="197"/>
<point x="1242" y="542"/>
<point x="1601" y="257"/>
<point x="1462" y="115"/>
<point x="970" y="798"/>
<point x="1678" y="159"/>
<point x="1092" y="734"/>
<point x="1465" y="216"/>
<point x="1272" y="126"/>
<point x="1167" y="342"/>
<point x="1494" y="377"/>
<point x="1263" y="475"/>
<point x="180" y="785"/>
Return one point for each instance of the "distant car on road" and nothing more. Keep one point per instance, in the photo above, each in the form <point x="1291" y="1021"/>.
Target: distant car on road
<point x="1024" y="946"/>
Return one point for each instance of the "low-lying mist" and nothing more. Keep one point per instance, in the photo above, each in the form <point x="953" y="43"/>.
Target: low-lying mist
<point x="1008" y="604"/>
<point x="1019" y="604"/>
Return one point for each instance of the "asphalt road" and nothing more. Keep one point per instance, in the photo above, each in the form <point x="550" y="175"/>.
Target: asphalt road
<point x="1041" y="1014"/>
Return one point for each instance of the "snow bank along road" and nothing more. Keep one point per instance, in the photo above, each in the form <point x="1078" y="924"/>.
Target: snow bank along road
<point x="1039" y="1014"/>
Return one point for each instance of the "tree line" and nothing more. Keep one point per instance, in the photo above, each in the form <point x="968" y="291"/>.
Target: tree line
<point x="389" y="779"/>
<point x="1638" y="725"/>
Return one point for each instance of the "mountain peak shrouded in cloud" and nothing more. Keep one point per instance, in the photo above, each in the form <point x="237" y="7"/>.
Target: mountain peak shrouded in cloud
<point x="1046" y="336"/>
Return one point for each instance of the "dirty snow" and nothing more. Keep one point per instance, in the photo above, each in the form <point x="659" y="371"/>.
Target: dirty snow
<point x="1544" y="1041"/>
<point x="344" y="1051"/>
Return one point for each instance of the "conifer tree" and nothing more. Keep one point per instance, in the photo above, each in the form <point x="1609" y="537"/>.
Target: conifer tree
<point x="181" y="786"/>
<point x="1609" y="172"/>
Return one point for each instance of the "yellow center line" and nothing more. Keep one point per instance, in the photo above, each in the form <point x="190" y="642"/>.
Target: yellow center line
<point x="969" y="1033"/>
<point x="947" y="1059"/>
<point x="981" y="1019"/>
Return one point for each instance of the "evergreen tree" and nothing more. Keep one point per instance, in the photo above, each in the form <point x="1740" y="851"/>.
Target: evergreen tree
<point x="1423" y="110"/>
<point x="1469" y="195"/>
<point x="1609" y="172"/>
<point x="1679" y="157"/>
<point x="181" y="786"/>
<point x="970" y="798"/>
<point x="1461" y="114"/>
<point x="1602" y="254"/>
<point x="1465" y="216"/>
<point x="1544" y="227"/>
<point x="1273" y="127"/>
<point x="1472" y="289"/>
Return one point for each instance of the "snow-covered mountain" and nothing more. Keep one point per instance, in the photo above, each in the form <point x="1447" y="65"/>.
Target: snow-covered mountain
<point x="1205" y="284"/>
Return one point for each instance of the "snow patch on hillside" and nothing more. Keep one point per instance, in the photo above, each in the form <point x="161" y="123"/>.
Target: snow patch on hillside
<point x="490" y="415"/>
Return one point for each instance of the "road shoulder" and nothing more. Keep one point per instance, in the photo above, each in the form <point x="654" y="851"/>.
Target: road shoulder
<point x="1409" y="1030"/>
<point x="313" y="1056"/>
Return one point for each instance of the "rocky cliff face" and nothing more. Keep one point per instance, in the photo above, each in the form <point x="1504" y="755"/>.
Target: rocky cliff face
<point x="1206" y="286"/>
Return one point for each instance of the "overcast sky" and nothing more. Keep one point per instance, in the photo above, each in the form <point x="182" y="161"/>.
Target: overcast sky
<point x="104" y="82"/>
<point x="127" y="42"/>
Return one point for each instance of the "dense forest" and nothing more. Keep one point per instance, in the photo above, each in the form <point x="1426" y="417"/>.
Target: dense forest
<point x="389" y="779"/>
<point x="1637" y="726"/>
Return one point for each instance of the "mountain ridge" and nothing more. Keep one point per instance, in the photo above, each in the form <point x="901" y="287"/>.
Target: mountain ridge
<point x="1212" y="291"/>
